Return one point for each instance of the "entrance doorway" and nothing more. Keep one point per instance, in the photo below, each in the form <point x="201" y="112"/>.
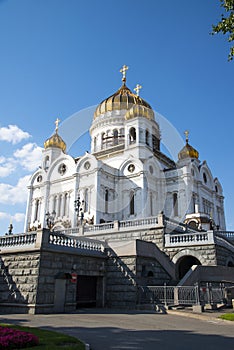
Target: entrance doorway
<point x="86" y="291"/>
<point x="185" y="263"/>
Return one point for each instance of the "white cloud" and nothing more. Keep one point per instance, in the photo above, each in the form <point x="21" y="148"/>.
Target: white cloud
<point x="29" y="156"/>
<point x="18" y="217"/>
<point x="14" y="194"/>
<point x="4" y="216"/>
<point x="13" y="134"/>
<point x="7" y="166"/>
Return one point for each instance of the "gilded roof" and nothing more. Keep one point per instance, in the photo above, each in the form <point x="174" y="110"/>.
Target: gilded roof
<point x="123" y="99"/>
<point x="188" y="152"/>
<point x="55" y="141"/>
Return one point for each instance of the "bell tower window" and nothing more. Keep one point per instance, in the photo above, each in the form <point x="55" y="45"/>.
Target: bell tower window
<point x="132" y="135"/>
<point x="147" y="137"/>
<point x="115" y="137"/>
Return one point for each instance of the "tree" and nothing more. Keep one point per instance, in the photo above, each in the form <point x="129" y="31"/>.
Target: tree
<point x="226" y="24"/>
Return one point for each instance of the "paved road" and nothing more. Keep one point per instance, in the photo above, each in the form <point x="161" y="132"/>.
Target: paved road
<point x="108" y="330"/>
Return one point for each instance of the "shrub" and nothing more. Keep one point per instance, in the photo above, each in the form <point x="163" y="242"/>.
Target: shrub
<point x="15" y="339"/>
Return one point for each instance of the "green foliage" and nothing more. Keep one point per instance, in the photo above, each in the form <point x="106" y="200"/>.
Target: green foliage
<point x="49" y="340"/>
<point x="228" y="317"/>
<point x="226" y="24"/>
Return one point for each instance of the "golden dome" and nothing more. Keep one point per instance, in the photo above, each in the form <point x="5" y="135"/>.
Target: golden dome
<point x="55" y="140"/>
<point x="188" y="152"/>
<point x="124" y="98"/>
<point x="140" y="110"/>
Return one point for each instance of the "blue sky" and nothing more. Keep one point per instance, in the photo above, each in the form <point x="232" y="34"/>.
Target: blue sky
<point x="61" y="56"/>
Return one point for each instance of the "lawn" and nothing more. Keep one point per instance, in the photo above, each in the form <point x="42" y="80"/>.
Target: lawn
<point x="228" y="317"/>
<point x="49" y="340"/>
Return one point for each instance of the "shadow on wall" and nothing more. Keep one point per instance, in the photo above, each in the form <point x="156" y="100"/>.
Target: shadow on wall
<point x="9" y="292"/>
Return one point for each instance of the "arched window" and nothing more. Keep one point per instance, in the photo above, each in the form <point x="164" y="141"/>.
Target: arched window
<point x="65" y="204"/>
<point x="46" y="163"/>
<point x="55" y="203"/>
<point x="106" y="200"/>
<point x="36" y="215"/>
<point x="147" y="137"/>
<point x="204" y="178"/>
<point x="103" y="140"/>
<point x="59" y="205"/>
<point x="151" y="204"/>
<point x="115" y="137"/>
<point x="132" y="203"/>
<point x="86" y="200"/>
<point x="175" y="204"/>
<point x="132" y="135"/>
<point x="94" y="144"/>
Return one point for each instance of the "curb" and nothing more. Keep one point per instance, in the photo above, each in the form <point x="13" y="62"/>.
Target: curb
<point x="202" y="316"/>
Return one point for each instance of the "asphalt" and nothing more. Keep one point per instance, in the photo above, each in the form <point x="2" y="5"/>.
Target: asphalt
<point x="105" y="329"/>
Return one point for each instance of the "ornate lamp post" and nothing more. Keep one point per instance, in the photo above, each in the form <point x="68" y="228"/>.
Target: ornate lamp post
<point x="79" y="210"/>
<point x="50" y="219"/>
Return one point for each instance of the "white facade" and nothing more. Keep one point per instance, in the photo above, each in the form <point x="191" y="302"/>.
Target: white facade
<point x="124" y="177"/>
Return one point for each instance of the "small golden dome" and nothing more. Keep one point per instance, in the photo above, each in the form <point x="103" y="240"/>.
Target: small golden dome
<point x="140" y="110"/>
<point x="188" y="152"/>
<point x="55" y="140"/>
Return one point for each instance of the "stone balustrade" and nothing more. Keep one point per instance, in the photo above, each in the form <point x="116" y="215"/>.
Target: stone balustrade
<point x="124" y="225"/>
<point x="189" y="239"/>
<point x="19" y="240"/>
<point x="46" y="239"/>
<point x="71" y="242"/>
<point x="226" y="234"/>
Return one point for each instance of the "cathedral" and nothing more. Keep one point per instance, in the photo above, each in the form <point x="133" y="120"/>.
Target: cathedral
<point x="106" y="228"/>
<point x="126" y="176"/>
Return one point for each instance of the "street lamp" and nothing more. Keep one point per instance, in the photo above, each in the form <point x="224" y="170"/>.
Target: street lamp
<point x="79" y="210"/>
<point x="50" y="219"/>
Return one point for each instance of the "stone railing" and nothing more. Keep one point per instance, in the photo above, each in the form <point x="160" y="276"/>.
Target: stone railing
<point x="100" y="227"/>
<point x="124" y="225"/>
<point x="18" y="240"/>
<point x="44" y="239"/>
<point x="189" y="239"/>
<point x="139" y="222"/>
<point x="61" y="240"/>
<point x="226" y="234"/>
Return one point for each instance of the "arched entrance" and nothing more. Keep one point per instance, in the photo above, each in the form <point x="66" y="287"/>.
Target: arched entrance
<point x="185" y="263"/>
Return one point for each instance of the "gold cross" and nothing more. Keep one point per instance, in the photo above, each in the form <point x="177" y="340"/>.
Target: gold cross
<point x="123" y="70"/>
<point x="186" y="134"/>
<point x="137" y="89"/>
<point x="57" y="123"/>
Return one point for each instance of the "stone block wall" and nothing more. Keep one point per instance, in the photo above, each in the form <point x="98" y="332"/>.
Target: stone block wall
<point x="18" y="281"/>
<point x="151" y="273"/>
<point x="55" y="264"/>
<point x="206" y="254"/>
<point x="121" y="288"/>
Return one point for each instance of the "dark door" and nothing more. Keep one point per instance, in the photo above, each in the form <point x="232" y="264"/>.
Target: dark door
<point x="86" y="291"/>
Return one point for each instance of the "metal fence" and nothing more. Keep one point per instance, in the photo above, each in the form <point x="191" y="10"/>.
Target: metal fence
<point x="182" y="295"/>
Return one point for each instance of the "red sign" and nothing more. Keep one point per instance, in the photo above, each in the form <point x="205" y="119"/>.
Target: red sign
<point x="74" y="277"/>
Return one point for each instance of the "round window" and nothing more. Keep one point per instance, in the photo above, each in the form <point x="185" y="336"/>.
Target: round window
<point x="62" y="169"/>
<point x="131" y="168"/>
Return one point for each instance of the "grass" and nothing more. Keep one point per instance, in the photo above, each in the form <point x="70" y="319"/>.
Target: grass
<point x="228" y="317"/>
<point x="49" y="340"/>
